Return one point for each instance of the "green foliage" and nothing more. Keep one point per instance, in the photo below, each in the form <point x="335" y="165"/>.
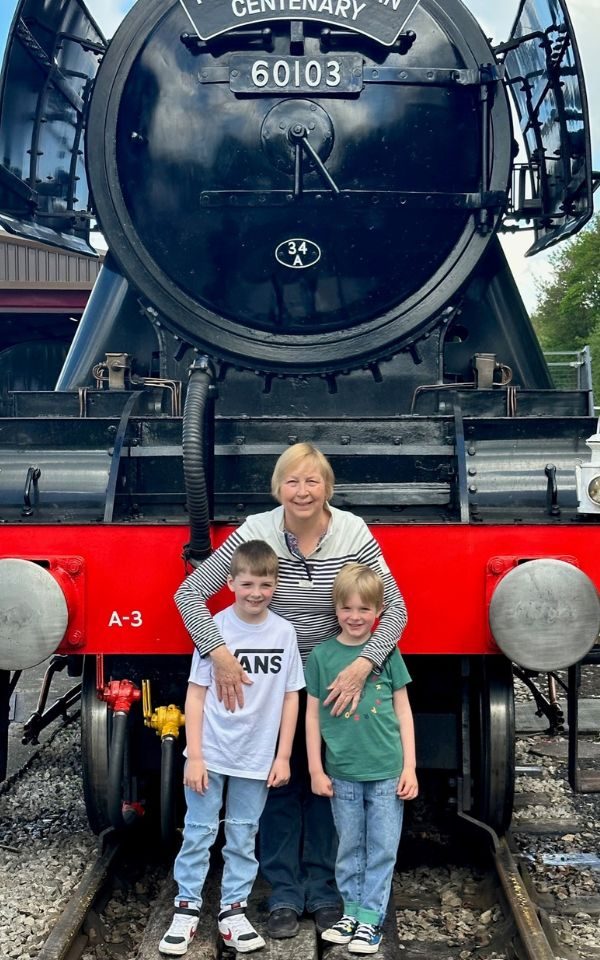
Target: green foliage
<point x="567" y="316"/>
<point x="568" y="310"/>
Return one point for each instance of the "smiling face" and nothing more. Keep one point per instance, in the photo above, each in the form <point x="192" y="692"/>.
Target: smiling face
<point x="356" y="618"/>
<point x="303" y="494"/>
<point x="252" y="595"/>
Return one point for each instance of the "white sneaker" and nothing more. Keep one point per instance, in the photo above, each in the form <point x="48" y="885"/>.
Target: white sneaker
<point x="181" y="932"/>
<point x="237" y="931"/>
<point x="366" y="939"/>
<point x="342" y="931"/>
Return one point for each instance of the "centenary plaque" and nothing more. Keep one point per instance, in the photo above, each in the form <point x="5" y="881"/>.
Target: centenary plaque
<point x="382" y="20"/>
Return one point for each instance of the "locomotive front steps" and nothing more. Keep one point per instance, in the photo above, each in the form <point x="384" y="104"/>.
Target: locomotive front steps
<point x="207" y="944"/>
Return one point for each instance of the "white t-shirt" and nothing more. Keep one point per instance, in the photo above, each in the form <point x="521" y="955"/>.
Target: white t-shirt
<point x="242" y="744"/>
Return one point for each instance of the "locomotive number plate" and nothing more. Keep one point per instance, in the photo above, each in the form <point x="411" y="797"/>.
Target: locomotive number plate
<point x="335" y="74"/>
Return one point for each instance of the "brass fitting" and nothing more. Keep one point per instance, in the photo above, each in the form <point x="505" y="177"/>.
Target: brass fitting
<point x="167" y="721"/>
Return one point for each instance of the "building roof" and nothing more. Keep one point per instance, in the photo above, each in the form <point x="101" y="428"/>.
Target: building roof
<point x="38" y="277"/>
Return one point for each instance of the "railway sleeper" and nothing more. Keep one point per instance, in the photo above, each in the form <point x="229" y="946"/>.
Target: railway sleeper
<point x="207" y="944"/>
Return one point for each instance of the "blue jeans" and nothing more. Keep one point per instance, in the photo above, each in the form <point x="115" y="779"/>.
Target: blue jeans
<point x="297" y="840"/>
<point x="368" y="819"/>
<point x="243" y="806"/>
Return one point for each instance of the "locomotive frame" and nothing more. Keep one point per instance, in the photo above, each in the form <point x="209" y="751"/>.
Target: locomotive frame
<point x="402" y="350"/>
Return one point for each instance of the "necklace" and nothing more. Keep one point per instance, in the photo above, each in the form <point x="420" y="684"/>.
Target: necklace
<point x="293" y="541"/>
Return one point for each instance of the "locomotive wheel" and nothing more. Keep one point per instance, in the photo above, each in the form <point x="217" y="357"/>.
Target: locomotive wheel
<point x="95" y="739"/>
<point x="493" y="741"/>
<point x="100" y="763"/>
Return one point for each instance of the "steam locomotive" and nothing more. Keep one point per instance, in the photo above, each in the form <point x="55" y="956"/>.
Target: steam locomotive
<point x="301" y="201"/>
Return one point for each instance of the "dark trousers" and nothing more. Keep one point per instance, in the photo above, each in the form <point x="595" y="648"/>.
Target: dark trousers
<point x="297" y="841"/>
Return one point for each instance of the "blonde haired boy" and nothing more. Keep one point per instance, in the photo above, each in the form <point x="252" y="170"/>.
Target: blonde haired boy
<point x="370" y="760"/>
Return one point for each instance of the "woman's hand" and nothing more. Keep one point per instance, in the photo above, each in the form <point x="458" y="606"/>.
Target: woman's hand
<point x="347" y="686"/>
<point x="229" y="678"/>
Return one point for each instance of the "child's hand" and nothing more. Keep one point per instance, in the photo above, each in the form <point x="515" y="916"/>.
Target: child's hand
<point x="195" y="775"/>
<point x="279" y="774"/>
<point x="408" y="788"/>
<point x="321" y="785"/>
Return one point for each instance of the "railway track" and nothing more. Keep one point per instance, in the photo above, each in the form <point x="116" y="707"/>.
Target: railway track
<point x="524" y="933"/>
<point x="530" y="940"/>
<point x="505" y="898"/>
<point x="75" y="928"/>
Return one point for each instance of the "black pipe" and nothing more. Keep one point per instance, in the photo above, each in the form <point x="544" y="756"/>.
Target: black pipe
<point x="194" y="415"/>
<point x="167" y="791"/>
<point x="114" y="789"/>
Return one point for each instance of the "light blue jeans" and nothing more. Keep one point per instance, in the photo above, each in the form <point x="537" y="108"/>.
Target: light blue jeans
<point x="368" y="820"/>
<point x="243" y="806"/>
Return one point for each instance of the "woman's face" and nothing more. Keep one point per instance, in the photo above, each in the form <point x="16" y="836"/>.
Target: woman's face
<point x="302" y="492"/>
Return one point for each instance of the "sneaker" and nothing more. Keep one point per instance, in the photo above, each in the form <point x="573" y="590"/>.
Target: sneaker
<point x="181" y="932"/>
<point x="342" y="931"/>
<point x="237" y="931"/>
<point x="366" y="939"/>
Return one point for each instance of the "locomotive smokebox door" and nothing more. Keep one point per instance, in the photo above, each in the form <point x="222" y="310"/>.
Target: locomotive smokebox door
<point x="228" y="159"/>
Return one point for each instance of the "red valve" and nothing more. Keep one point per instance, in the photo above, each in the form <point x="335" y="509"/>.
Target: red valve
<point x="120" y="695"/>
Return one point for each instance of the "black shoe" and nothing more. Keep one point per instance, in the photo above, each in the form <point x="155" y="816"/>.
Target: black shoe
<point x="326" y="917"/>
<point x="282" y="923"/>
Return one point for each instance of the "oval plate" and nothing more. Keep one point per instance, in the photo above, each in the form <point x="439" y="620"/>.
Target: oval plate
<point x="298" y="253"/>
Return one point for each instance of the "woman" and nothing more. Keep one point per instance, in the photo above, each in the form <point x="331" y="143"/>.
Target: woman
<point x="313" y="541"/>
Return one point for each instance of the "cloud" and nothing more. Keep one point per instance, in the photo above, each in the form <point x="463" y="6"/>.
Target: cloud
<point x="108" y="13"/>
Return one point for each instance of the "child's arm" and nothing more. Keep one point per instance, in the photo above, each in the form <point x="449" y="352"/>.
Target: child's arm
<point x="195" y="774"/>
<point x="408" y="787"/>
<point x="280" y="768"/>
<point x="319" y="781"/>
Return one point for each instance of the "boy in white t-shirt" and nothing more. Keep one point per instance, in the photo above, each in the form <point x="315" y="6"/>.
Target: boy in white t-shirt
<point x="249" y="750"/>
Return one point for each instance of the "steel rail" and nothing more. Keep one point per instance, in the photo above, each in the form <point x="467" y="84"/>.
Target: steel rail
<point x="63" y="936"/>
<point x="522" y="908"/>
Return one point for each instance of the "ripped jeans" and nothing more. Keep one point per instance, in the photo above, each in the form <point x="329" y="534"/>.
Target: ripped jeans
<point x="243" y="806"/>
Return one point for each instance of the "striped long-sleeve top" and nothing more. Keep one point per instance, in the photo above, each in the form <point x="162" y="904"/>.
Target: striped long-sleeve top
<point x="303" y="594"/>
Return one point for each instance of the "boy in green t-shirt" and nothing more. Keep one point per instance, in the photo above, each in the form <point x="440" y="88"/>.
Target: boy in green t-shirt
<point x="370" y="760"/>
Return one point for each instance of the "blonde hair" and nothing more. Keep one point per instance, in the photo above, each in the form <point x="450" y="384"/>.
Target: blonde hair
<point x="360" y="579"/>
<point x="256" y="558"/>
<point x="290" y="460"/>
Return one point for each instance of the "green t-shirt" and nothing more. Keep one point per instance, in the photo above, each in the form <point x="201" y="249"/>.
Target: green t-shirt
<point x="364" y="744"/>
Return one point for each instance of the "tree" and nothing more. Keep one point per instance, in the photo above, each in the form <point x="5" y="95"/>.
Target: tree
<point x="567" y="316"/>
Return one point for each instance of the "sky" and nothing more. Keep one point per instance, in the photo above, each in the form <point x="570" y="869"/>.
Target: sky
<point x="496" y="18"/>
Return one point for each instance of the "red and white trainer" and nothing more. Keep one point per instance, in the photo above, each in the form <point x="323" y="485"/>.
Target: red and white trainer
<point x="181" y="932"/>
<point x="237" y="931"/>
